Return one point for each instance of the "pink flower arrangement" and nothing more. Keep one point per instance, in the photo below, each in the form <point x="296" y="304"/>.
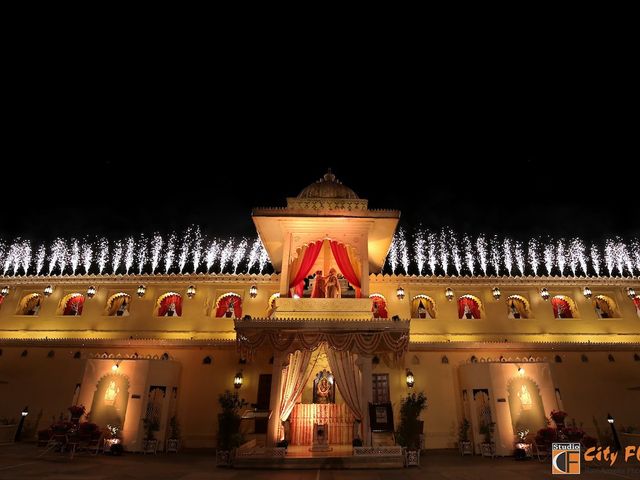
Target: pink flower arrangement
<point x="77" y="410"/>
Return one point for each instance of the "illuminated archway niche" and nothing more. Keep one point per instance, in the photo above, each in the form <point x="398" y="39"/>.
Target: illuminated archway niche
<point x="110" y="400"/>
<point x="423" y="306"/>
<point x="518" y="307"/>
<point x="564" y="307"/>
<point x="525" y="404"/>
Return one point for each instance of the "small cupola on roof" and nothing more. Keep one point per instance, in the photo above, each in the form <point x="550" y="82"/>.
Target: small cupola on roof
<point x="328" y="187"/>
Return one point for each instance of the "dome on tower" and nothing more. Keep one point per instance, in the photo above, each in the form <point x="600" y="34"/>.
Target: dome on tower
<point x="328" y="187"/>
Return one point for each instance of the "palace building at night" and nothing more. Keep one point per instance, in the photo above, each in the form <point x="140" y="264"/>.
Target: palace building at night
<point x="326" y="339"/>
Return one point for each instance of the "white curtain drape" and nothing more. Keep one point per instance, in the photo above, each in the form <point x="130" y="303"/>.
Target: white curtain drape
<point x="294" y="379"/>
<point x="348" y="379"/>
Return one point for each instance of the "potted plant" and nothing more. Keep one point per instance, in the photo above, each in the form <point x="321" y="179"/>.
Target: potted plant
<point x="173" y="442"/>
<point x="113" y="442"/>
<point x="151" y="425"/>
<point x="229" y="436"/>
<point x="558" y="417"/>
<point x="487" y="447"/>
<point x="465" y="446"/>
<point x="76" y="411"/>
<point x="410" y="428"/>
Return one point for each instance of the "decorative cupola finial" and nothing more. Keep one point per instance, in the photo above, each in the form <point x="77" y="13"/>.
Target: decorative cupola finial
<point x="329" y="177"/>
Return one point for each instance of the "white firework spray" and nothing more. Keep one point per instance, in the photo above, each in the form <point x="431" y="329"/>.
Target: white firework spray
<point x="156" y="251"/>
<point x="170" y="253"/>
<point x="116" y="258"/>
<point x="443" y="249"/>
<point x="596" y="259"/>
<point x="74" y="255"/>
<point x="142" y="253"/>
<point x="185" y="249"/>
<point x="432" y="243"/>
<point x="495" y="255"/>
<point x="26" y="256"/>
<point x="264" y="257"/>
<point x="561" y="255"/>
<point x="507" y="255"/>
<point x="225" y="255"/>
<point x="549" y="257"/>
<point x="212" y="253"/>
<point x="392" y="256"/>
<point x="239" y="254"/>
<point x="103" y="254"/>
<point x="403" y="251"/>
<point x="129" y="253"/>
<point x="469" y="257"/>
<point x="609" y="255"/>
<point x="534" y="258"/>
<point x="253" y="254"/>
<point x="481" y="249"/>
<point x="518" y="252"/>
<point x="455" y="253"/>
<point x="58" y="255"/>
<point x="419" y="250"/>
<point x="86" y="254"/>
<point x="197" y="247"/>
<point x="41" y="257"/>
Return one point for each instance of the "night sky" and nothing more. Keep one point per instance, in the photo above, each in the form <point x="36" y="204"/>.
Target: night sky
<point x="501" y="160"/>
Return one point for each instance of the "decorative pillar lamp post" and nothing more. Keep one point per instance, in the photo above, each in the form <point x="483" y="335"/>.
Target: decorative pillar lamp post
<point x="400" y="293"/>
<point x="141" y="291"/>
<point x="410" y="379"/>
<point x="449" y="294"/>
<point x="616" y="440"/>
<point x="237" y="380"/>
<point x="253" y="291"/>
<point x="587" y="292"/>
<point x="23" y="416"/>
<point x="91" y="291"/>
<point x="191" y="291"/>
<point x="544" y="293"/>
<point x="496" y="293"/>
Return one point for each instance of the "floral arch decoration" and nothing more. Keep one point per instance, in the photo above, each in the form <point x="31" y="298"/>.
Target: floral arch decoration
<point x="169" y="305"/>
<point x="605" y="307"/>
<point x="229" y="305"/>
<point x="563" y="307"/>
<point x="423" y="306"/>
<point x="378" y="305"/>
<point x="71" y="304"/>
<point x="30" y="304"/>
<point x="118" y="305"/>
<point x="470" y="307"/>
<point x="518" y="307"/>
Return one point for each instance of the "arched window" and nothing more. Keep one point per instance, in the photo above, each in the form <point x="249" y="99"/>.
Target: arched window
<point x="118" y="305"/>
<point x="423" y="306"/>
<point x="470" y="307"/>
<point x="229" y="305"/>
<point x="30" y="304"/>
<point x="271" y="305"/>
<point x="169" y="305"/>
<point x="563" y="307"/>
<point x="71" y="304"/>
<point x="605" y="307"/>
<point x="518" y="307"/>
<point x="558" y="359"/>
<point x="378" y="306"/>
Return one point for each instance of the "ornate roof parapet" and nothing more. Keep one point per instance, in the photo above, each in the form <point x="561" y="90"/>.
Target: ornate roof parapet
<point x="200" y="278"/>
<point x="502" y="280"/>
<point x="323" y="325"/>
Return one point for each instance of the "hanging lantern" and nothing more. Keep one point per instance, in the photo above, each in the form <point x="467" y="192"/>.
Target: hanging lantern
<point x="48" y="290"/>
<point x="496" y="293"/>
<point x="449" y="294"/>
<point x="237" y="380"/>
<point x="191" y="291"/>
<point x="5" y="291"/>
<point x="253" y="291"/>
<point x="91" y="291"/>
<point x="141" y="290"/>
<point x="520" y="371"/>
<point x="410" y="379"/>
<point x="631" y="293"/>
<point x="586" y="292"/>
<point x="400" y="293"/>
<point x="544" y="293"/>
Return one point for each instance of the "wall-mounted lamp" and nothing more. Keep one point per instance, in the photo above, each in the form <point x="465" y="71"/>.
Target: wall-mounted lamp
<point x="449" y="294"/>
<point x="544" y="293"/>
<point x="586" y="291"/>
<point x="115" y="367"/>
<point x="631" y="293"/>
<point x="141" y="291"/>
<point x="91" y="291"/>
<point x="520" y="371"/>
<point x="191" y="291"/>
<point x="410" y="379"/>
<point x="400" y="293"/>
<point x="48" y="290"/>
<point x="5" y="291"/>
<point x="237" y="380"/>
<point x="253" y="291"/>
<point x="496" y="293"/>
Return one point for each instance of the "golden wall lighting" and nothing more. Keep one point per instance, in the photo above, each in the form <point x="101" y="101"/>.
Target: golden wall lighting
<point x="520" y="371"/>
<point x="48" y="290"/>
<point x="631" y="293"/>
<point x="141" y="291"/>
<point x="191" y="291"/>
<point x="5" y="291"/>
<point x="91" y="291"/>
<point x="449" y="294"/>
<point x="496" y="293"/>
<point x="237" y="380"/>
<point x="400" y="293"/>
<point x="410" y="379"/>
<point x="544" y="293"/>
<point x="587" y="292"/>
<point x="253" y="291"/>
<point x="115" y="367"/>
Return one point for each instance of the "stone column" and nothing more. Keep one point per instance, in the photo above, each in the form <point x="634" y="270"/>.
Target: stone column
<point x="364" y="362"/>
<point x="274" y="399"/>
<point x="364" y="264"/>
<point x="284" y="273"/>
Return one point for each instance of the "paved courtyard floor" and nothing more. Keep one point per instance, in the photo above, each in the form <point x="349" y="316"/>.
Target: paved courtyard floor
<point x="25" y="461"/>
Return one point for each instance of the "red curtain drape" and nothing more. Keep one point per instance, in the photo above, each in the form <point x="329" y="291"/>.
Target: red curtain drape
<point x="167" y="301"/>
<point x="310" y="257"/>
<point x="471" y="303"/>
<point x="636" y="300"/>
<point x="74" y="304"/>
<point x="566" y="308"/>
<point x="344" y="264"/>
<point x="223" y="305"/>
<point x="382" y="306"/>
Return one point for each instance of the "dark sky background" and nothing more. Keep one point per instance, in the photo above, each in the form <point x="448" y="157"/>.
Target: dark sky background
<point x="556" y="153"/>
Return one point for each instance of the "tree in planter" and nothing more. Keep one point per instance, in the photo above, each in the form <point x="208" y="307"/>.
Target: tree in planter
<point x="229" y="436"/>
<point x="486" y="429"/>
<point x="463" y="437"/>
<point x="151" y="425"/>
<point x="173" y="442"/>
<point x="409" y="430"/>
